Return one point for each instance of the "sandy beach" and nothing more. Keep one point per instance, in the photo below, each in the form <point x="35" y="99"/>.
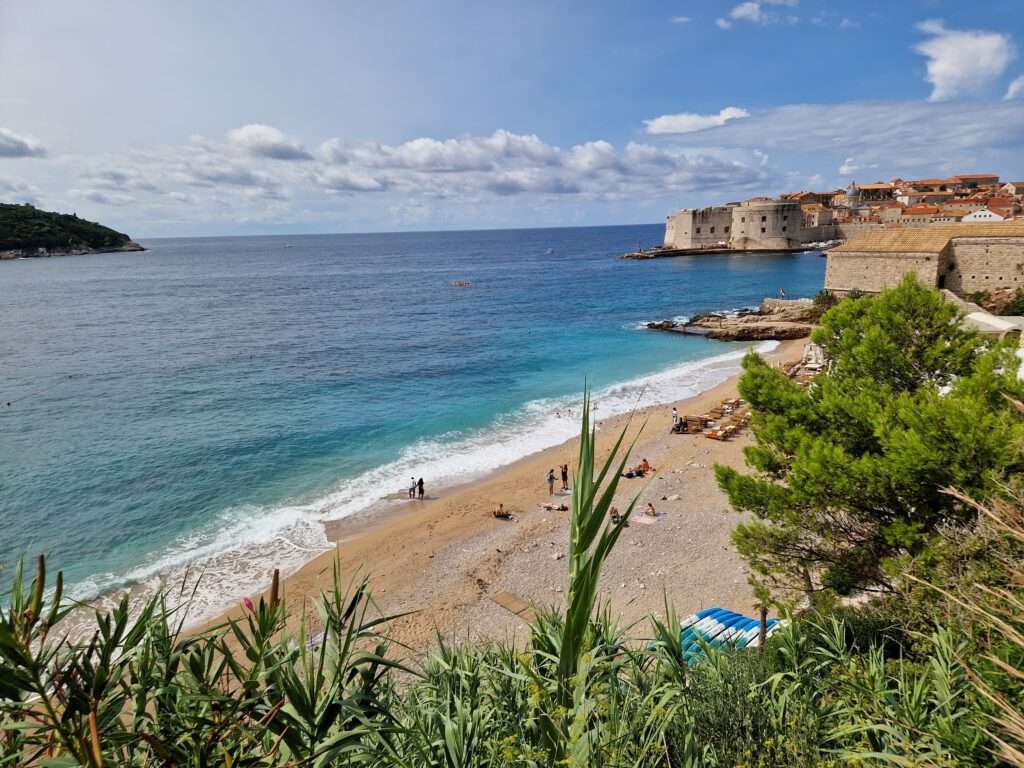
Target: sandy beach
<point x="446" y="559"/>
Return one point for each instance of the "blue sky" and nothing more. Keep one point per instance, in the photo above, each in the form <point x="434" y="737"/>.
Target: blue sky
<point x="193" y="118"/>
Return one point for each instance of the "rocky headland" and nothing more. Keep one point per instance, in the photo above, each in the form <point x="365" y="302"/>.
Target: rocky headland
<point x="775" y="319"/>
<point x="27" y="232"/>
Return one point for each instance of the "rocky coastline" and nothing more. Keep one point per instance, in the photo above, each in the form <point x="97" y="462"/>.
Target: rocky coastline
<point x="775" y="319"/>
<point x="40" y="253"/>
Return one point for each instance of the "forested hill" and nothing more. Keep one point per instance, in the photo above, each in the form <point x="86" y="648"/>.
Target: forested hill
<point x="24" y="228"/>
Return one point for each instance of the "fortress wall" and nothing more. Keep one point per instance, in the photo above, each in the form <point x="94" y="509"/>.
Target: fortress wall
<point x="873" y="271"/>
<point x="985" y="264"/>
<point x="698" y="227"/>
<point x="767" y="225"/>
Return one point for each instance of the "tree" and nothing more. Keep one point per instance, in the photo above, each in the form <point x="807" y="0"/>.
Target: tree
<point x="850" y="470"/>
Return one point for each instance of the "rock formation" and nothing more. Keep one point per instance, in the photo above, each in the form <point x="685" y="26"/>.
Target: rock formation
<point x="775" y="319"/>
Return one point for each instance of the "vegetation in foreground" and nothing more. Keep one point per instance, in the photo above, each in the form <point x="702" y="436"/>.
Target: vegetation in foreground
<point x="25" y="227"/>
<point x="876" y="685"/>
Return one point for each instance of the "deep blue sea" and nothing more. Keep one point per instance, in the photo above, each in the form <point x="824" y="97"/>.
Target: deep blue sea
<point x="208" y="403"/>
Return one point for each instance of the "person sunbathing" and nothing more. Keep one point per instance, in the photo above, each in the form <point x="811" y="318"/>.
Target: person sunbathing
<point x="501" y="513"/>
<point x="650" y="511"/>
<point x="645" y="467"/>
<point x="549" y="507"/>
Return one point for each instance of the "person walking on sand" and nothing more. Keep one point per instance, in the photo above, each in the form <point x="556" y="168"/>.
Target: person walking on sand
<point x="419" y="487"/>
<point x="565" y="477"/>
<point x="551" y="482"/>
<point x="412" y="487"/>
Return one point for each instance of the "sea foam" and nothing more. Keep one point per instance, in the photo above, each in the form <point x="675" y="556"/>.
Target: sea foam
<point x="225" y="561"/>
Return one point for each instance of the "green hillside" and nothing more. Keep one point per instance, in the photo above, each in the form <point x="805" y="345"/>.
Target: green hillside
<point x="25" y="227"/>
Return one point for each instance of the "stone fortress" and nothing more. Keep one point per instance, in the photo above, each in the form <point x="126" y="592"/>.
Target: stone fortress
<point x="795" y="219"/>
<point x="964" y="233"/>
<point x="963" y="258"/>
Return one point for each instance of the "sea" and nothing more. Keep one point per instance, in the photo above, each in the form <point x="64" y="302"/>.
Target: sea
<point x="205" y="406"/>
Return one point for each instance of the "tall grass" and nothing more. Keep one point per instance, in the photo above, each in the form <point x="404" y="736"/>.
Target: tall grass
<point x="140" y="691"/>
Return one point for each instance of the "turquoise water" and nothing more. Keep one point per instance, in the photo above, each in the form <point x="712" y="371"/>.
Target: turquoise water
<point x="209" y="402"/>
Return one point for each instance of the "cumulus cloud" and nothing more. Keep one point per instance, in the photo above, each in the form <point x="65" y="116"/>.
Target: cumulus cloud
<point x="1015" y="89"/>
<point x="507" y="164"/>
<point x="759" y="12"/>
<point x="262" y="140"/>
<point x="347" y="180"/>
<point x="15" y="145"/>
<point x="962" y="62"/>
<point x="470" y="153"/>
<point x="848" y="167"/>
<point x="681" y="19"/>
<point x="688" y="122"/>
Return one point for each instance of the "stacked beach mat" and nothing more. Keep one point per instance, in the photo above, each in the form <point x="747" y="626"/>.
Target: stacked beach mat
<point x="719" y="627"/>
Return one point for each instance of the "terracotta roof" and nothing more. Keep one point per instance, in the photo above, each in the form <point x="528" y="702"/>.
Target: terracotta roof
<point x="926" y="182"/>
<point x="974" y="176"/>
<point x="920" y="210"/>
<point x="879" y="185"/>
<point x="931" y="239"/>
<point x="1002" y="202"/>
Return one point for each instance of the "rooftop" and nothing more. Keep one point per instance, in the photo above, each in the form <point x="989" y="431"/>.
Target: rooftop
<point x="931" y="239"/>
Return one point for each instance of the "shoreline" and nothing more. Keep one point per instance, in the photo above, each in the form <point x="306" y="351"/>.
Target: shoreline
<point x="447" y="558"/>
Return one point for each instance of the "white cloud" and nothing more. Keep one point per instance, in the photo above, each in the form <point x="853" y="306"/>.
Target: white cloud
<point x="681" y="19"/>
<point x="899" y="138"/>
<point x="470" y="153"/>
<point x="346" y="180"/>
<point x="262" y="140"/>
<point x="688" y="122"/>
<point x="758" y="12"/>
<point x="15" y="145"/>
<point x="1015" y="90"/>
<point x="849" y="167"/>
<point x="962" y="62"/>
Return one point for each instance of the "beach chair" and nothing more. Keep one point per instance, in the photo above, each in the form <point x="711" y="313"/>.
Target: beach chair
<point x="721" y="627"/>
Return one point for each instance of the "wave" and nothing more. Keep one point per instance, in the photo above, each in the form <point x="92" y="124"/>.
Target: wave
<point x="235" y="556"/>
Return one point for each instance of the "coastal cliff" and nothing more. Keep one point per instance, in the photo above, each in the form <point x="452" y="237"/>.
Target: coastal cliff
<point x="26" y="231"/>
<point x="775" y="319"/>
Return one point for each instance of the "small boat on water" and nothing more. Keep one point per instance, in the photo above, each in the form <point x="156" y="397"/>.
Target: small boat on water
<point x="462" y="283"/>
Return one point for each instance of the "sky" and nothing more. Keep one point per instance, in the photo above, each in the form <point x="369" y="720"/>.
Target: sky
<point x="233" y="118"/>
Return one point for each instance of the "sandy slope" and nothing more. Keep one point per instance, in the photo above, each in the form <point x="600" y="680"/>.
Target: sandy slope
<point x="446" y="558"/>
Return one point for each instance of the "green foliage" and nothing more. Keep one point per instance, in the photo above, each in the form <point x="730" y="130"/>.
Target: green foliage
<point x="851" y="470"/>
<point x="847" y="687"/>
<point x="1016" y="305"/>
<point x="26" y="227"/>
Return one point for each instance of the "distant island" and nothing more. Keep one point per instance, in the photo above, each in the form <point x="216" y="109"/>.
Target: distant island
<point x="26" y="231"/>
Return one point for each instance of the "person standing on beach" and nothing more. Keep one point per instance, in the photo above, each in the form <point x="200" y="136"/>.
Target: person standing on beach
<point x="412" y="487"/>
<point x="419" y="487"/>
<point x="551" y="482"/>
<point x="565" y="477"/>
<point x="675" y="418"/>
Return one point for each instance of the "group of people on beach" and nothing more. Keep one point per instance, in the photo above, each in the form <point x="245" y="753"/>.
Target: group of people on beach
<point x="416" y="488"/>
<point x="551" y="477"/>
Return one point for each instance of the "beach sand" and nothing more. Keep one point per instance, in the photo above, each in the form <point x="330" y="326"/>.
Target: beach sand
<point x="447" y="558"/>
